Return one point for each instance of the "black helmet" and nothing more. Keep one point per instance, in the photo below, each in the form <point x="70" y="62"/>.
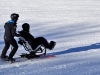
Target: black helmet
<point x="26" y="26"/>
<point x="14" y="16"/>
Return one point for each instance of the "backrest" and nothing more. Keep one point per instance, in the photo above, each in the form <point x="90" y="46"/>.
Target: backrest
<point x="26" y="44"/>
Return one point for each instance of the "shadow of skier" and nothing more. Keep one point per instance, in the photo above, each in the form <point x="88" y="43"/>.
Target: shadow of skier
<point x="78" y="49"/>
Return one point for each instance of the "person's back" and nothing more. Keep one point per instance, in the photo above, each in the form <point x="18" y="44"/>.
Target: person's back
<point x="10" y="28"/>
<point x="27" y="36"/>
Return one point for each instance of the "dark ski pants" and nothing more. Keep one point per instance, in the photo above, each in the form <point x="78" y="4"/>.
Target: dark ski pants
<point x="38" y="41"/>
<point x="7" y="45"/>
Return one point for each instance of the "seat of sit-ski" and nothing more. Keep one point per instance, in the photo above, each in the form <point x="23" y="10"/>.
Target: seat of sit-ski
<point x="27" y="47"/>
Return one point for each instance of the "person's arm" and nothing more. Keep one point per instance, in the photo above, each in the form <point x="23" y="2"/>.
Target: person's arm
<point x="14" y="26"/>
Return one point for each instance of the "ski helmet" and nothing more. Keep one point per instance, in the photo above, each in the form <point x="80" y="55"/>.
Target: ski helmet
<point x="26" y="26"/>
<point x="14" y="16"/>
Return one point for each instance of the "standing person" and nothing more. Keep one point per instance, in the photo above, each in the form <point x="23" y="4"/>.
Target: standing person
<point x="10" y="32"/>
<point x="34" y="42"/>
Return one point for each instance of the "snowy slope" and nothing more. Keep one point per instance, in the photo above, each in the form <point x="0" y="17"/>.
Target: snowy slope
<point x="73" y="24"/>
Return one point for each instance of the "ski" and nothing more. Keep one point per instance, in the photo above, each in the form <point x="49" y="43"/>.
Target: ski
<point x="23" y="59"/>
<point x="46" y="56"/>
<point x="41" y="56"/>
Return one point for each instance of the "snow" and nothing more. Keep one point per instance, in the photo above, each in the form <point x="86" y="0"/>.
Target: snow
<point x="73" y="24"/>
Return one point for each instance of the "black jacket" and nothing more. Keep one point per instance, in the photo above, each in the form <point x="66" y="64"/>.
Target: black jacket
<point x="10" y="30"/>
<point x="27" y="36"/>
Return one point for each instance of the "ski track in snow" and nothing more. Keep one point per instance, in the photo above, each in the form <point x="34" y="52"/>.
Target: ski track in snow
<point x="73" y="24"/>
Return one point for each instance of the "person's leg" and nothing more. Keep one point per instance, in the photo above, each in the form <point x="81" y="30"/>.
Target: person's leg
<point x="15" y="47"/>
<point x="4" y="51"/>
<point x="44" y="42"/>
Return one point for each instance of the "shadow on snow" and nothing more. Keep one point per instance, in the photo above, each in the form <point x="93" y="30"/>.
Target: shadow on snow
<point x="78" y="49"/>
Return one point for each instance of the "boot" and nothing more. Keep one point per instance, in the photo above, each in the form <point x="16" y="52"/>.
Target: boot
<point x="4" y="57"/>
<point x="52" y="45"/>
<point x="10" y="59"/>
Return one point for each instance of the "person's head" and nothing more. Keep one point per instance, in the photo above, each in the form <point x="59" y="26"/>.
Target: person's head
<point x="26" y="27"/>
<point x="14" y="16"/>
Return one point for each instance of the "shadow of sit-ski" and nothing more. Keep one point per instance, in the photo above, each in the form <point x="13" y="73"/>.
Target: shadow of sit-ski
<point x="78" y="49"/>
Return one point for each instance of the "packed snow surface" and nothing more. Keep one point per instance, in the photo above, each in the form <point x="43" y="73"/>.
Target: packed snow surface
<point x="73" y="24"/>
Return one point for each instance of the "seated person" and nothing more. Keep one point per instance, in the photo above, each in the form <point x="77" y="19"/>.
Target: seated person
<point x="35" y="42"/>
